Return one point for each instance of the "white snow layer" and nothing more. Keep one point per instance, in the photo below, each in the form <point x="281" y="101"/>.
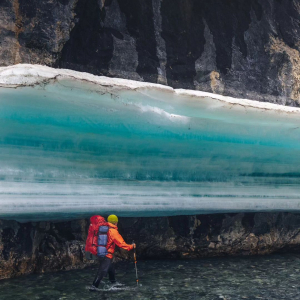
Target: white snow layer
<point x="27" y="74"/>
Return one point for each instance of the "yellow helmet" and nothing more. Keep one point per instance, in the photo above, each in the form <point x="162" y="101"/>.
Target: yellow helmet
<point x="112" y="219"/>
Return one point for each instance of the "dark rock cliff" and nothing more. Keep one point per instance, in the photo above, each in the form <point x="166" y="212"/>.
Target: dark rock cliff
<point x="242" y="48"/>
<point x="45" y="246"/>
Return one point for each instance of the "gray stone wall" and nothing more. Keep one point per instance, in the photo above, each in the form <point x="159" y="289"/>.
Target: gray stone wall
<point x="47" y="246"/>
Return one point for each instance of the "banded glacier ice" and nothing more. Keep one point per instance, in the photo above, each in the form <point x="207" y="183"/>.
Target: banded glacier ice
<point x="73" y="144"/>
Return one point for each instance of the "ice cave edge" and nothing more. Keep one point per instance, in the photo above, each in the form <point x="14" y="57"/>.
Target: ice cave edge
<point x="73" y="144"/>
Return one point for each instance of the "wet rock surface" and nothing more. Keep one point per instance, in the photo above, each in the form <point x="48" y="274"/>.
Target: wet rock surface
<point x="241" y="48"/>
<point x="41" y="247"/>
<point x="51" y="246"/>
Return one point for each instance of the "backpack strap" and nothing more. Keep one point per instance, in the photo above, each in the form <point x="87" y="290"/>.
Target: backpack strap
<point x="95" y="235"/>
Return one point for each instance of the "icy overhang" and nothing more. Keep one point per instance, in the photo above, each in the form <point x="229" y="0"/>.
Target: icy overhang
<point x="73" y="144"/>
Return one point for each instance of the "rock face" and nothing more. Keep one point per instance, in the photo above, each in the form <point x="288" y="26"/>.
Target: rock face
<point x="44" y="246"/>
<point x="41" y="247"/>
<point x="242" y="48"/>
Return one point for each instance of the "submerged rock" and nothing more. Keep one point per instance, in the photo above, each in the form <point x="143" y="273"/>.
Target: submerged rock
<point x="47" y="246"/>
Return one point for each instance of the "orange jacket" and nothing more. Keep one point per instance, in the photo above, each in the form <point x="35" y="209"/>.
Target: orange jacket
<point x="115" y="238"/>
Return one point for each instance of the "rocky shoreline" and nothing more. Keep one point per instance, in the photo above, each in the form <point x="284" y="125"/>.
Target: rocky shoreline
<point x="39" y="247"/>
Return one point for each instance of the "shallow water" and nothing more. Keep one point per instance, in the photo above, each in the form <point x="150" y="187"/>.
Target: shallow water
<point x="268" y="277"/>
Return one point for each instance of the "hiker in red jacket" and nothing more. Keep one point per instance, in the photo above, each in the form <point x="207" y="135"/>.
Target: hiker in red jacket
<point x="113" y="238"/>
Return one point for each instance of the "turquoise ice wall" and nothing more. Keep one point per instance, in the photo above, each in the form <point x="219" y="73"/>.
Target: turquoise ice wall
<point x="71" y="148"/>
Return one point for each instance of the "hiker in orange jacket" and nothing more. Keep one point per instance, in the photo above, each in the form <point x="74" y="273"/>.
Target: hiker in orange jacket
<point x="106" y="264"/>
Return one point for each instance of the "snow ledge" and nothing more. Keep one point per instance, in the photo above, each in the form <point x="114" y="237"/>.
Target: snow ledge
<point x="27" y="75"/>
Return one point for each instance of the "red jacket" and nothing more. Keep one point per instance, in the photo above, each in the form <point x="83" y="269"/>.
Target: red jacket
<point x="113" y="235"/>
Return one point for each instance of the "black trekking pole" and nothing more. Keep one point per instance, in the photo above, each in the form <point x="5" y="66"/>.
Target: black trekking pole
<point x="136" y="272"/>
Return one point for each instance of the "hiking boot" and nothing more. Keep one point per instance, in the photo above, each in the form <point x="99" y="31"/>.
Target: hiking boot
<point x="92" y="288"/>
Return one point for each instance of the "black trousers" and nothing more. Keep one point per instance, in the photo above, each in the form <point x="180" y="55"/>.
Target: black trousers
<point x="106" y="266"/>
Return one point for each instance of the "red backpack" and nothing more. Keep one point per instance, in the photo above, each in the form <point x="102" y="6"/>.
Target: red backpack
<point x="92" y="238"/>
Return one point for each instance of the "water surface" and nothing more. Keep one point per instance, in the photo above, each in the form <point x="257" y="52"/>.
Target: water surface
<point x="269" y="277"/>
